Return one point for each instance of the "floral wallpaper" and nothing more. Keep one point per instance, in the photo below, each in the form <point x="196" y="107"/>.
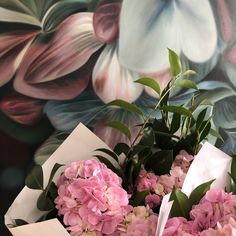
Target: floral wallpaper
<point x="61" y="61"/>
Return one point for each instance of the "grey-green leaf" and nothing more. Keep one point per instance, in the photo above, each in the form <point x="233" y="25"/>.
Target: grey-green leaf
<point x="124" y="129"/>
<point x="126" y="105"/>
<point x="34" y="180"/>
<point x="175" y="64"/>
<point x="109" y="152"/>
<point x="151" y="83"/>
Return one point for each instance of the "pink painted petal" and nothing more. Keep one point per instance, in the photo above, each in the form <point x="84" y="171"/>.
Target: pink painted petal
<point x="231" y="55"/>
<point x="112" y="81"/>
<point x="163" y="77"/>
<point x="52" y="61"/>
<point x="226" y="24"/>
<point x="22" y="109"/>
<point x="11" y="52"/>
<point x="111" y="136"/>
<point x="106" y="21"/>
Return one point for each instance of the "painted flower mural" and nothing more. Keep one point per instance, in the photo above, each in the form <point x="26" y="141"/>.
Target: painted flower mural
<point x="73" y="57"/>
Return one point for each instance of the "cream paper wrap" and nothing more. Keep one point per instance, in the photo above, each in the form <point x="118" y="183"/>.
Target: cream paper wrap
<point x="80" y="145"/>
<point x="210" y="163"/>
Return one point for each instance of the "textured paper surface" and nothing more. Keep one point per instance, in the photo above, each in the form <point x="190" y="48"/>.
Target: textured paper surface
<point x="80" y="145"/>
<point x="210" y="163"/>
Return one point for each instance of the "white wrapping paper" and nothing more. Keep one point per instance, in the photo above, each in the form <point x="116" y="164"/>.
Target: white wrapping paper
<point x="210" y="163"/>
<point x="80" y="145"/>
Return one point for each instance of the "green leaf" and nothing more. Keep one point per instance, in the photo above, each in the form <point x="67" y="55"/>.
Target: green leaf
<point x="19" y="222"/>
<point x="34" y="180"/>
<point x="109" y="152"/>
<point x="190" y="72"/>
<point x="216" y="134"/>
<point x="186" y="83"/>
<point x="126" y="105"/>
<point x="60" y="11"/>
<point x="44" y="203"/>
<point x="160" y="162"/>
<point x="175" y="64"/>
<point x="53" y="172"/>
<point x="148" y="137"/>
<point x="178" y="110"/>
<point x="181" y="205"/>
<point x="139" y="198"/>
<point x="120" y="127"/>
<point x="204" y="129"/>
<point x="200" y="118"/>
<point x="233" y="168"/>
<point x="198" y="193"/>
<point x="121" y="148"/>
<point x="175" y="123"/>
<point x="151" y="83"/>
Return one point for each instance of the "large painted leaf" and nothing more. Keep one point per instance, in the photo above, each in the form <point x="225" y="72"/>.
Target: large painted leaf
<point x="148" y="28"/>
<point x="12" y="45"/>
<point x="49" y="146"/>
<point x="111" y="80"/>
<point x="54" y="66"/>
<point x="106" y="20"/>
<point x="66" y="115"/>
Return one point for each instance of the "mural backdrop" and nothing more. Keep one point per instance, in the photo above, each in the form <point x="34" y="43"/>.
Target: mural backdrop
<point x="62" y="60"/>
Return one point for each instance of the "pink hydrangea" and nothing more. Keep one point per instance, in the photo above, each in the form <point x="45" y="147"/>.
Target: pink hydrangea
<point x="215" y="207"/>
<point x="178" y="226"/>
<point x="91" y="198"/>
<point x="140" y="222"/>
<point x="183" y="160"/>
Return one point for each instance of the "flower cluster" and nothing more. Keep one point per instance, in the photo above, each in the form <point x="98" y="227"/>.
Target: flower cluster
<point x="91" y="198"/>
<point x="162" y="185"/>
<point x="214" y="215"/>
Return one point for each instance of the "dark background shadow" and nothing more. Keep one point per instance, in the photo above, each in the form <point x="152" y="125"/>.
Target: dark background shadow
<point x="16" y="158"/>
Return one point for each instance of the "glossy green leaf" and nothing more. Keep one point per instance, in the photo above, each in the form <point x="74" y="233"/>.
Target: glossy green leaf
<point x="233" y="168"/>
<point x="19" y="222"/>
<point x="186" y="83"/>
<point x="121" y="148"/>
<point x="190" y="72"/>
<point x="151" y="83"/>
<point x="124" y="129"/>
<point x="44" y="203"/>
<point x="175" y="123"/>
<point x="198" y="193"/>
<point x="200" y="118"/>
<point x="181" y="205"/>
<point x="175" y="64"/>
<point x="34" y="179"/>
<point x="139" y="198"/>
<point x="109" y="152"/>
<point x="126" y="105"/>
<point x="59" y="11"/>
<point x="160" y="162"/>
<point x="204" y="129"/>
<point x="148" y="137"/>
<point x="178" y="110"/>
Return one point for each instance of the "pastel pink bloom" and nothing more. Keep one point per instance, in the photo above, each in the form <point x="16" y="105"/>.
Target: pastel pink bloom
<point x="91" y="198"/>
<point x="178" y="226"/>
<point x="183" y="160"/>
<point x="141" y="222"/>
<point x="153" y="200"/>
<point x="215" y="207"/>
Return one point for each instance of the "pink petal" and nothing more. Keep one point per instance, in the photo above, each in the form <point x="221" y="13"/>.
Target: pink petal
<point x="50" y="68"/>
<point x="106" y="21"/>
<point x="22" y="109"/>
<point x="11" y="45"/>
<point x="226" y="23"/>
<point x="162" y="77"/>
<point x="113" y="81"/>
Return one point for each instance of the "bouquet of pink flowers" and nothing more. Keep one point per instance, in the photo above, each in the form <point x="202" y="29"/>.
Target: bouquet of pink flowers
<point x="116" y="192"/>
